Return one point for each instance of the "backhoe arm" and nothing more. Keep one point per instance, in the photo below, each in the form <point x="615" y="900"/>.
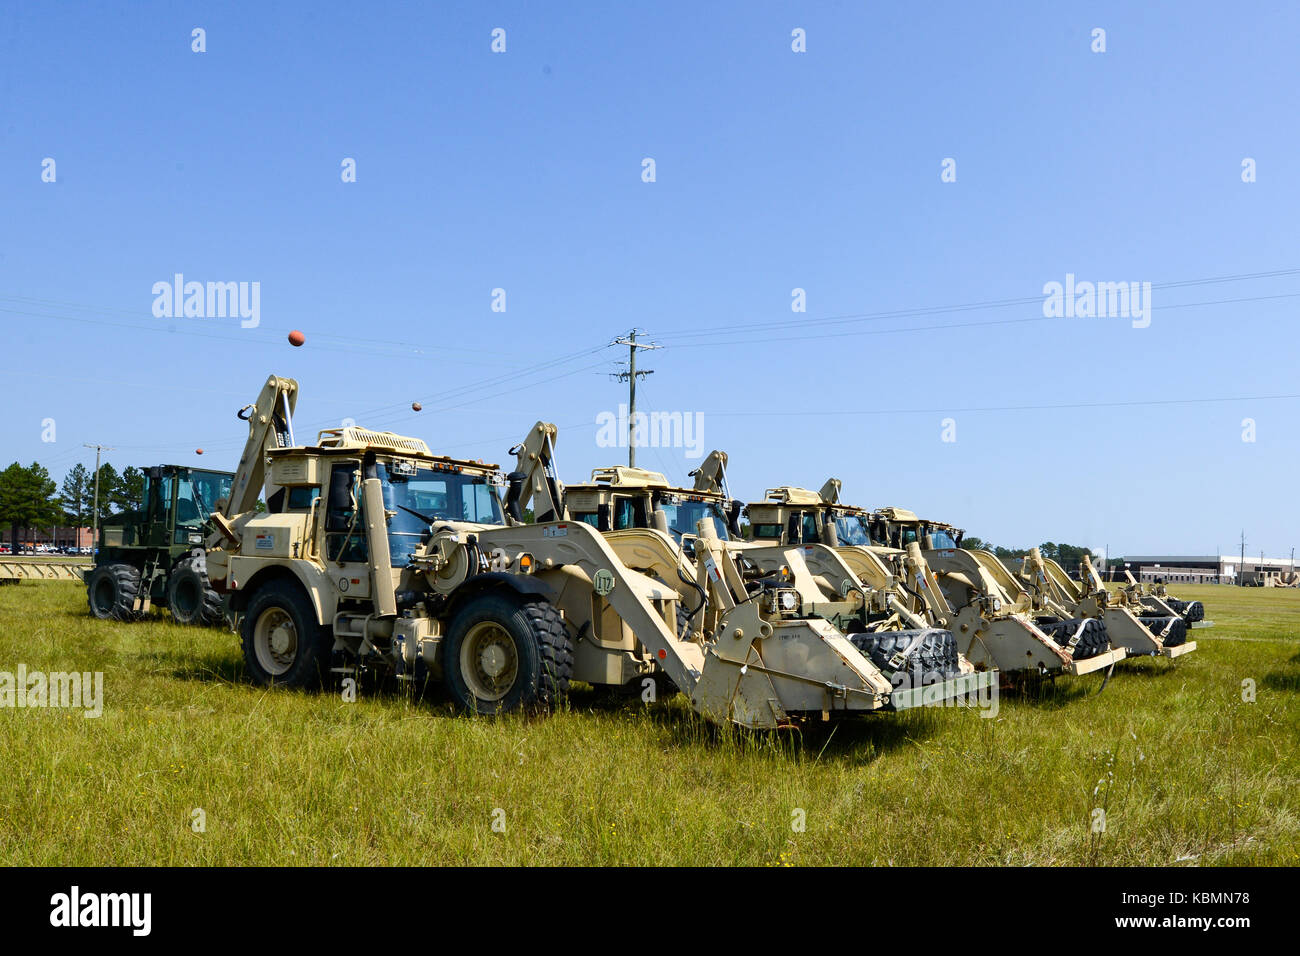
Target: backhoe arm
<point x="270" y="425"/>
<point x="535" y="479"/>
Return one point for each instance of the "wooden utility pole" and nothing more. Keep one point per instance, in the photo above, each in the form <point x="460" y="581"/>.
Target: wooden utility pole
<point x="94" y="511"/>
<point x="630" y="376"/>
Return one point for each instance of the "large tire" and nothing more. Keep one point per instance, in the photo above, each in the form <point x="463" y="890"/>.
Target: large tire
<point x="504" y="653"/>
<point x="936" y="655"/>
<point x="1092" y="642"/>
<point x="1177" y="629"/>
<point x="111" y="591"/>
<point x="283" y="642"/>
<point x="190" y="595"/>
<point x="1190" y="611"/>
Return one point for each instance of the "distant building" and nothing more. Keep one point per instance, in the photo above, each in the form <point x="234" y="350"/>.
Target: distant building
<point x="60" y="538"/>
<point x="1202" y="568"/>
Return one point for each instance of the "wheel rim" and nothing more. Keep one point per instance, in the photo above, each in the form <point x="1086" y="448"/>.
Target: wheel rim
<point x="186" y="598"/>
<point x="275" y="641"/>
<point x="105" y="595"/>
<point x="489" y="661"/>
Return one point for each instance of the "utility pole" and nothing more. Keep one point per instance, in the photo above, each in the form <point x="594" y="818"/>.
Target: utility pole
<point x="1241" y="568"/>
<point x="630" y="376"/>
<point x="94" y="512"/>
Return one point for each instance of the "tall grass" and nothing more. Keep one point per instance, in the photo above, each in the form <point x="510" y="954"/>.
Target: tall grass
<point x="1185" y="770"/>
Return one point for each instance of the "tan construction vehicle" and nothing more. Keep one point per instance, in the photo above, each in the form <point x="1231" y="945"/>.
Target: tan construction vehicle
<point x="980" y="602"/>
<point x="1129" y="622"/>
<point x="376" y="554"/>
<point x="655" y="527"/>
<point x="1056" y="605"/>
<point x="1157" y="600"/>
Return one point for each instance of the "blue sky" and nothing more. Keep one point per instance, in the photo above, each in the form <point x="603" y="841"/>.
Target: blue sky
<point x="775" y="170"/>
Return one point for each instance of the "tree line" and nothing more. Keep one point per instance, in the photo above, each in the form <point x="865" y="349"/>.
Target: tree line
<point x="30" y="498"/>
<point x="1068" y="556"/>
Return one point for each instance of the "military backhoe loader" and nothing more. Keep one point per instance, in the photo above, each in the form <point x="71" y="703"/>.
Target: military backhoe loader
<point x="654" y="527"/>
<point x="1056" y="605"/>
<point x="376" y="554"/>
<point x="1158" y="600"/>
<point x="990" y="615"/>
<point x="1143" y="632"/>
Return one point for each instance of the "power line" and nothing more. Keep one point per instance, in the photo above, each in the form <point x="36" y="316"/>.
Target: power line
<point x="861" y="317"/>
<point x="261" y="334"/>
<point x="94" y="534"/>
<point x="631" y="379"/>
<point x="819" y="413"/>
<point x="800" y="336"/>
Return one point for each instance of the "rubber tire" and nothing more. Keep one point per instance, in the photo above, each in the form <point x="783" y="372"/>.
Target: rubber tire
<point x="936" y="655"/>
<point x="1093" y="642"/>
<point x="311" y="667"/>
<point x="542" y="646"/>
<point x="190" y="595"/>
<point x="121" y="584"/>
<point x="1177" y="633"/>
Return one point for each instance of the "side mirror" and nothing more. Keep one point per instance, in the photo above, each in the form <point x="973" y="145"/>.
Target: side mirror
<point x="514" y="492"/>
<point x="733" y="517"/>
<point x="338" y="513"/>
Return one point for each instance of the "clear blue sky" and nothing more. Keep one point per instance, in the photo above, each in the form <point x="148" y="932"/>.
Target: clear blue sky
<point x="775" y="170"/>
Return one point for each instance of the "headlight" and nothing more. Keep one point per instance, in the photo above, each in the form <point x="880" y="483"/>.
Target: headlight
<point x="782" y="600"/>
<point x="997" y="605"/>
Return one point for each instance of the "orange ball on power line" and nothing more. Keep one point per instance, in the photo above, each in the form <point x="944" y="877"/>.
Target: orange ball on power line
<point x="416" y="406"/>
<point x="296" y="338"/>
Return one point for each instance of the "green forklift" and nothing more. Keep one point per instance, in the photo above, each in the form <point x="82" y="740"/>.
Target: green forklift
<point x="154" y="554"/>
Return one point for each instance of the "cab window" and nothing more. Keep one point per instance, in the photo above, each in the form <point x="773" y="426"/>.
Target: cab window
<point x="810" y="528"/>
<point x="629" y="513"/>
<point x="344" y="534"/>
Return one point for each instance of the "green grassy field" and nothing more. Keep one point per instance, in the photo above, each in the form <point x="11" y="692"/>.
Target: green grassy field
<point x="1186" y="771"/>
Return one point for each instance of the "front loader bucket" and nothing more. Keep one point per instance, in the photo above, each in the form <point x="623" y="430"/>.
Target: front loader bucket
<point x="759" y="674"/>
<point x="1130" y="632"/>
<point x="1013" y="645"/>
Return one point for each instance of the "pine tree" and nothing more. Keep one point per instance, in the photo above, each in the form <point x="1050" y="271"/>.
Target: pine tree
<point x="77" y="491"/>
<point x="28" y="498"/>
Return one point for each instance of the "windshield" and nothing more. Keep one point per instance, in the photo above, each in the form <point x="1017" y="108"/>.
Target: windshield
<point x="852" y="529"/>
<point x="683" y="515"/>
<point x="197" y="497"/>
<point x="940" y="538"/>
<point x="437" y="496"/>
